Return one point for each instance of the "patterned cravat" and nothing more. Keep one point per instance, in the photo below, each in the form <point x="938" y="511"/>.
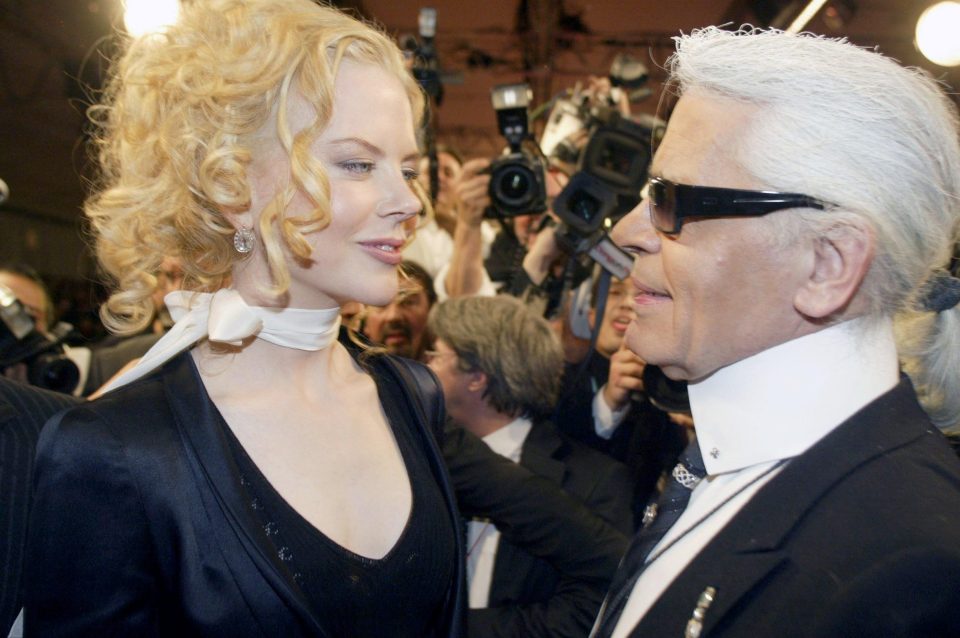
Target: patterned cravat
<point x="657" y="519"/>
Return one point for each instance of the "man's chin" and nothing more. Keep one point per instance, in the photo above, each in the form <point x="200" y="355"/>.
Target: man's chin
<point x="400" y="349"/>
<point x="655" y="353"/>
<point x="637" y="342"/>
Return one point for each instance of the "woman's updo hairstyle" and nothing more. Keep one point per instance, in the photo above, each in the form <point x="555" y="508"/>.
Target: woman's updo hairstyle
<point x="174" y="132"/>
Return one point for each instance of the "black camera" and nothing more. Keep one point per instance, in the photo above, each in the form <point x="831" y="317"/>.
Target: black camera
<point x="613" y="170"/>
<point x="518" y="183"/>
<point x="20" y="342"/>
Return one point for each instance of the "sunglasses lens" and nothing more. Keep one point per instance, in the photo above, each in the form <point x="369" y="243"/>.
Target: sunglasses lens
<point x="662" y="207"/>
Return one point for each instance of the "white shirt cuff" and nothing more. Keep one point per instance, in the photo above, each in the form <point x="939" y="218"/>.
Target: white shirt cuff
<point x="605" y="419"/>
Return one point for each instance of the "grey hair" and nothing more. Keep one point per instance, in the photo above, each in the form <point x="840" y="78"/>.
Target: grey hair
<point x="516" y="348"/>
<point x="877" y="140"/>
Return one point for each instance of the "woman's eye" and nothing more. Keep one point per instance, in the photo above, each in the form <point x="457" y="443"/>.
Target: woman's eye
<point x="358" y="167"/>
<point x="410" y="174"/>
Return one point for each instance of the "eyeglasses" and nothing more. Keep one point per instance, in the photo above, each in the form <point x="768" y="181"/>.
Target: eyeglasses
<point x="671" y="203"/>
<point x="433" y="355"/>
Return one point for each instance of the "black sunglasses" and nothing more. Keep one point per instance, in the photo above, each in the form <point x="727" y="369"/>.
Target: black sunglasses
<point x="671" y="203"/>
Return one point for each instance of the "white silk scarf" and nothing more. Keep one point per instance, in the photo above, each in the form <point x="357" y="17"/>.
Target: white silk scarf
<point x="224" y="317"/>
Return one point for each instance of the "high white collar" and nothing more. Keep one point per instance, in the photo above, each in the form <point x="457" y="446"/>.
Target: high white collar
<point x="224" y="317"/>
<point x="779" y="402"/>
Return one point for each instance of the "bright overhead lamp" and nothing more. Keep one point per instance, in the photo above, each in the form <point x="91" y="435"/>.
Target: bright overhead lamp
<point x="936" y="34"/>
<point x="147" y="16"/>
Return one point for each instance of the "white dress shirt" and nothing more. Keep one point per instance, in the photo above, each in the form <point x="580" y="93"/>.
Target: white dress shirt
<point x="755" y="413"/>
<point x="482" y="536"/>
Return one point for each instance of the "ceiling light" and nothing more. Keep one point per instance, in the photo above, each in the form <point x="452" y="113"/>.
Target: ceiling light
<point x="936" y="34"/>
<point x="146" y="16"/>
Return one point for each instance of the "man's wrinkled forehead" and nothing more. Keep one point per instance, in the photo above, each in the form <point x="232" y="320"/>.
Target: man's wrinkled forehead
<point x="706" y="134"/>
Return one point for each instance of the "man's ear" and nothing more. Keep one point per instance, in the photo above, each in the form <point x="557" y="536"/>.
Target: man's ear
<point x="477" y="381"/>
<point x="841" y="258"/>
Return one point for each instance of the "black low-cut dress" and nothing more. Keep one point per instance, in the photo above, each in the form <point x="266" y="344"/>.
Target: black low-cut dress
<point x="149" y="520"/>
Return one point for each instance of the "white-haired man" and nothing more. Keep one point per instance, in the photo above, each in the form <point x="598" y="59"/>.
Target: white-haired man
<point x="804" y="200"/>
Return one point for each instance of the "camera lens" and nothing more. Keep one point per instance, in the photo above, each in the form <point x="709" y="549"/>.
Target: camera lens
<point x="54" y="372"/>
<point x="617" y="158"/>
<point x="585" y="206"/>
<point x="513" y="185"/>
<point x="517" y="185"/>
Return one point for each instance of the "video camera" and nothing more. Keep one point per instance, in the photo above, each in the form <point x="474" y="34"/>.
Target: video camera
<point x="518" y="183"/>
<point x="612" y="171"/>
<point x="20" y="342"/>
<point x="611" y="168"/>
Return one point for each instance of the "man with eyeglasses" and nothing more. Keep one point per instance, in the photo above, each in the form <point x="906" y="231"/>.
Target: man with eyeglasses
<point x="499" y="366"/>
<point x="804" y="202"/>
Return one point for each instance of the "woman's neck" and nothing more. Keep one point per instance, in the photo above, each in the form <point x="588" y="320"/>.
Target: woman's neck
<point x="259" y="364"/>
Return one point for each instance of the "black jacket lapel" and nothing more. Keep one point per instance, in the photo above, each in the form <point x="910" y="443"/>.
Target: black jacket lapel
<point x="749" y="547"/>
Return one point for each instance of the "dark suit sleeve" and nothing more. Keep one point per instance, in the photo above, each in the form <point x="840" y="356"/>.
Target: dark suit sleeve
<point x="603" y="485"/>
<point x="530" y="511"/>
<point x="536" y="515"/>
<point x="90" y="569"/>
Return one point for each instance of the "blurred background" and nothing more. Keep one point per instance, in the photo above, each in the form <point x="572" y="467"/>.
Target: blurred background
<point x="53" y="55"/>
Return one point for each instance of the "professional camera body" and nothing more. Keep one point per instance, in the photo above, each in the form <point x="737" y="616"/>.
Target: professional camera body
<point x="20" y="342"/>
<point x="518" y="183"/>
<point x="612" y="171"/>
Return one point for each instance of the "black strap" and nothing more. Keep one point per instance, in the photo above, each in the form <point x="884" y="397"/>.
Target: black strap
<point x="425" y="396"/>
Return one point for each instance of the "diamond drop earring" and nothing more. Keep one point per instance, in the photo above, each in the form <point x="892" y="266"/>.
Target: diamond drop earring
<point x="243" y="240"/>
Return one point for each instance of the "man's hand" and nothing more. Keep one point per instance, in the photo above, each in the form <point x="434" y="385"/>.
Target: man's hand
<point x="626" y="376"/>
<point x="470" y="198"/>
<point x="600" y="92"/>
<point x="470" y="192"/>
<point x="17" y="372"/>
<point x="543" y="252"/>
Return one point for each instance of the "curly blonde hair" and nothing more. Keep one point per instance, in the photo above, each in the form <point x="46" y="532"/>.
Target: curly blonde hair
<point x="174" y="135"/>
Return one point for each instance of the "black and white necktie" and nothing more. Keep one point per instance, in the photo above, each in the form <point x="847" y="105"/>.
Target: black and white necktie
<point x="657" y="519"/>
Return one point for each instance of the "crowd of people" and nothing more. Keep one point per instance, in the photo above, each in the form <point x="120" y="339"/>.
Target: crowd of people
<point x="339" y="404"/>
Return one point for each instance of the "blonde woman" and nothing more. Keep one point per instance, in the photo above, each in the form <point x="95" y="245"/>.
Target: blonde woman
<point x="252" y="475"/>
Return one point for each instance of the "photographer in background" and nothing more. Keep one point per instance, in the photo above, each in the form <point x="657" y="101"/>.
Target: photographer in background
<point x="27" y="285"/>
<point x="446" y="243"/>
<point x="473" y="235"/>
<point x="114" y="352"/>
<point x="432" y="241"/>
<point x="36" y="354"/>
<point x="24" y="408"/>
<point x="555" y="199"/>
